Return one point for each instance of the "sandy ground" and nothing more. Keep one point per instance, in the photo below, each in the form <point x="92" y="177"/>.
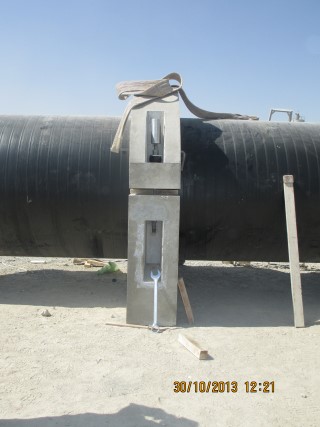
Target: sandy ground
<point x="71" y="369"/>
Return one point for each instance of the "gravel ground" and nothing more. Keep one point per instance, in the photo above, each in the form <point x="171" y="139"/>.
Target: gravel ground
<point x="71" y="369"/>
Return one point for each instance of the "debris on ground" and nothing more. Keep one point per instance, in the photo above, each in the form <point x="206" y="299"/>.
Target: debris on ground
<point x="89" y="262"/>
<point x="111" y="267"/>
<point x="46" y="313"/>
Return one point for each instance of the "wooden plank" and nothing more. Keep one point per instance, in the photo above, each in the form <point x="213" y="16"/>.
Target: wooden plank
<point x="130" y="325"/>
<point x="296" y="291"/>
<point x="127" y="325"/>
<point x="88" y="262"/>
<point x="193" y="347"/>
<point x="78" y="261"/>
<point x="96" y="263"/>
<point x="185" y="300"/>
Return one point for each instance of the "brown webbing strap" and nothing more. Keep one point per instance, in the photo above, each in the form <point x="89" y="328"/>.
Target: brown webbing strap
<point x="145" y="91"/>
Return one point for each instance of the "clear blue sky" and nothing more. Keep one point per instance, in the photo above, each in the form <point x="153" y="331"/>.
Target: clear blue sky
<point x="65" y="57"/>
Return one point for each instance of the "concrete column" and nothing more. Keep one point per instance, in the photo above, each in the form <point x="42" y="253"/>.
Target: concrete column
<point x="154" y="211"/>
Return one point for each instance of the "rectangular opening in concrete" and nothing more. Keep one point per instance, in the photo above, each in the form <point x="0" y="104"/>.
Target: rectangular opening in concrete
<point x="153" y="248"/>
<point x="154" y="137"/>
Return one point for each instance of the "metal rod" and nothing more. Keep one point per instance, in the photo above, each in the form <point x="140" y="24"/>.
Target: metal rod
<point x="155" y="278"/>
<point x="155" y="131"/>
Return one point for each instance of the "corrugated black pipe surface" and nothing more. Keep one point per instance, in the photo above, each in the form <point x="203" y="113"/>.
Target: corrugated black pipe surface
<point x="64" y="194"/>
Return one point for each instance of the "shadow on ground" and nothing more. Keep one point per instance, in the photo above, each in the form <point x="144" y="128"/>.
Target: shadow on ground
<point x="61" y="288"/>
<point x="131" y="416"/>
<point x="219" y="296"/>
<point x="247" y="296"/>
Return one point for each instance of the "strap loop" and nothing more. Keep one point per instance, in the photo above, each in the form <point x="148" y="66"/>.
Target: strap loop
<point x="145" y="91"/>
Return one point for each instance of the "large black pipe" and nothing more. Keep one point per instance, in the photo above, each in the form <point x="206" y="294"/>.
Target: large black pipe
<point x="62" y="193"/>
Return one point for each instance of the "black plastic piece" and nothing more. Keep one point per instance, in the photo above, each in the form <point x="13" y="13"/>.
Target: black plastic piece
<point x="155" y="158"/>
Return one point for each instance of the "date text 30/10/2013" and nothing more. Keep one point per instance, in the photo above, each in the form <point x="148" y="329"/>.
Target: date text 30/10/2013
<point x="223" y="386"/>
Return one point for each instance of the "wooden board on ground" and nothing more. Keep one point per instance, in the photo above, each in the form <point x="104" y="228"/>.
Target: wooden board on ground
<point x="193" y="347"/>
<point x="130" y="325"/>
<point x="88" y="262"/>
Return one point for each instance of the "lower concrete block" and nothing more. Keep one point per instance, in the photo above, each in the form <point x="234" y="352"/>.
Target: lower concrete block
<point x="153" y="243"/>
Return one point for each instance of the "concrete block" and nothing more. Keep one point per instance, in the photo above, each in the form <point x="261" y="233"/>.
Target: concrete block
<point x="149" y="249"/>
<point x="155" y="175"/>
<point x="146" y="175"/>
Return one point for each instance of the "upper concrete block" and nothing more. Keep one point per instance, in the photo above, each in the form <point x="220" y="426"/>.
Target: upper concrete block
<point x="165" y="174"/>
